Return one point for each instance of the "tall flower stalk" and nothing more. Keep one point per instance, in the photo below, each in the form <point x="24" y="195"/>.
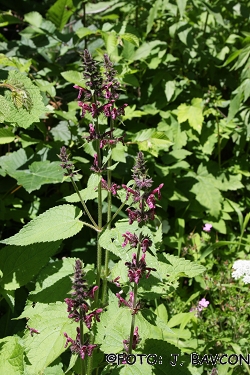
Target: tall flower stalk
<point x="142" y="211"/>
<point x="98" y="98"/>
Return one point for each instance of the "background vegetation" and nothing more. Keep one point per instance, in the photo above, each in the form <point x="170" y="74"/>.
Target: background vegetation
<point x="184" y="69"/>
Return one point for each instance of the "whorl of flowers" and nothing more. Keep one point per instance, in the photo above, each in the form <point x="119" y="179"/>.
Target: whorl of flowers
<point x="78" y="308"/>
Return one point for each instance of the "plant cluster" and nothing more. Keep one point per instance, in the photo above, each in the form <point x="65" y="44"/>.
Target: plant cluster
<point x="163" y="91"/>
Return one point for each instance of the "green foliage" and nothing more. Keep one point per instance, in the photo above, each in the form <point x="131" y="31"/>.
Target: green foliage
<point x="184" y="73"/>
<point x="55" y="224"/>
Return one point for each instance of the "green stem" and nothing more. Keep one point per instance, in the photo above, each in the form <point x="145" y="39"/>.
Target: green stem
<point x="109" y="182"/>
<point x="132" y="328"/>
<point x="205" y="26"/>
<point x="82" y="343"/>
<point x="219" y="148"/>
<point x="84" y="205"/>
<point x="115" y="214"/>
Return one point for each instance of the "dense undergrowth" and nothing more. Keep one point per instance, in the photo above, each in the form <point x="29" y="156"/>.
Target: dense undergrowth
<point x="164" y="85"/>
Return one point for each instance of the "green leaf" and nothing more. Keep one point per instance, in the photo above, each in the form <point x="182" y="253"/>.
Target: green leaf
<point x="84" y="31"/>
<point x="152" y="141"/>
<point x="54" y="281"/>
<point x="55" y="224"/>
<point x="20" y="264"/>
<point x="33" y="18"/>
<point x="152" y="15"/>
<point x="60" y="12"/>
<point x="51" y="321"/>
<point x="208" y="195"/>
<point x="8" y="19"/>
<point x="169" y="89"/>
<point x="11" y="359"/>
<point x="89" y="193"/>
<point x="38" y="174"/>
<point x="147" y="49"/>
<point x="73" y="76"/>
<point x="25" y="101"/>
<point x="234" y="106"/>
<point x="131" y="38"/>
<point x="4" y="109"/>
<point x="181" y="6"/>
<point x="6" y="136"/>
<point x="179" y="267"/>
<point x="192" y="113"/>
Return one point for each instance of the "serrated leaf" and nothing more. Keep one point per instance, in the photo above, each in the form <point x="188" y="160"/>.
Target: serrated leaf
<point x="60" y="12"/>
<point x="131" y="38"/>
<point x="179" y="267"/>
<point x="114" y="326"/>
<point x="51" y="321"/>
<point x="11" y="359"/>
<point x="38" y="174"/>
<point x="4" y="108"/>
<point x="89" y="193"/>
<point x="55" y="224"/>
<point x="24" y="98"/>
<point x="6" y="135"/>
<point x="54" y="281"/>
<point x="191" y="113"/>
<point x="20" y="264"/>
<point x="111" y="42"/>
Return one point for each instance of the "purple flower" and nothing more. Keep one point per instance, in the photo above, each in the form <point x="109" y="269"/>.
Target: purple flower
<point x="203" y="303"/>
<point x="113" y="188"/>
<point x="137" y="269"/>
<point x="136" y="340"/>
<point x="130" y="238"/>
<point x="76" y="346"/>
<point x="207" y="227"/>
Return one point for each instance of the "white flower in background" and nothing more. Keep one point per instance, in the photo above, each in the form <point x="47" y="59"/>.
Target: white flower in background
<point x="242" y="268"/>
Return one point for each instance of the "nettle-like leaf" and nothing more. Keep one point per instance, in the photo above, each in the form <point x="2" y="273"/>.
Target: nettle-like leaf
<point x="4" y="109"/>
<point x="37" y="174"/>
<point x="51" y="321"/>
<point x="53" y="282"/>
<point x="25" y="102"/>
<point x="192" y="113"/>
<point x="20" y="264"/>
<point x="55" y="224"/>
<point x="176" y="267"/>
<point x="114" y="327"/>
<point x="11" y="358"/>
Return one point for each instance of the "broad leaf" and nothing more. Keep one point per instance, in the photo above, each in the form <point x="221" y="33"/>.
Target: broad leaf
<point x="11" y="359"/>
<point x="20" y="264"/>
<point x="57" y="223"/>
<point x="6" y="136"/>
<point x="39" y="173"/>
<point x="51" y="321"/>
<point x="192" y="113"/>
<point x="60" y="12"/>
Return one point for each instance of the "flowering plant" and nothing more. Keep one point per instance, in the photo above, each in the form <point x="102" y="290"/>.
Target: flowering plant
<point x="102" y="319"/>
